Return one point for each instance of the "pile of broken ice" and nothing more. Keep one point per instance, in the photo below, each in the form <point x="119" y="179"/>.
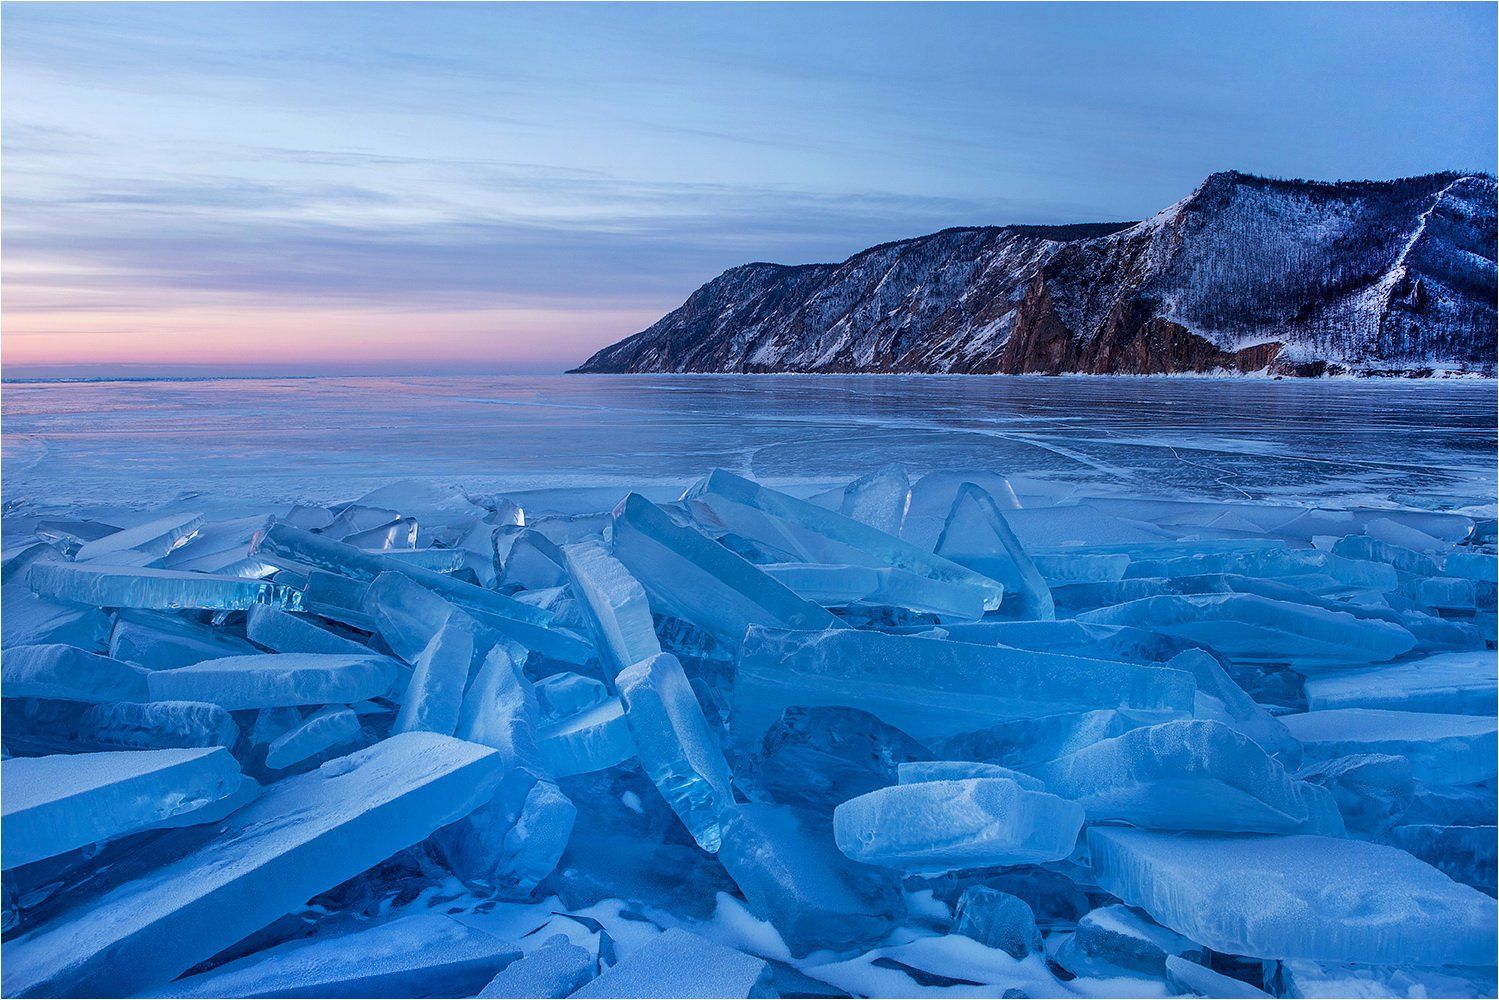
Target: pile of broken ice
<point x="888" y="740"/>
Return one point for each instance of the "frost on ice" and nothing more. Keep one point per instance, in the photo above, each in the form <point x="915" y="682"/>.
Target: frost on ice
<point x="939" y="736"/>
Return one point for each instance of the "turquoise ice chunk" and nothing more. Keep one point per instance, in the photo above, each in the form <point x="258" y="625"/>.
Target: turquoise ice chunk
<point x="269" y="680"/>
<point x="677" y="963"/>
<point x="1442" y="749"/>
<point x="614" y="604"/>
<point x="318" y="732"/>
<point x="69" y="674"/>
<point x="161" y="589"/>
<point x="283" y="632"/>
<point x="976" y="535"/>
<point x="1284" y="897"/>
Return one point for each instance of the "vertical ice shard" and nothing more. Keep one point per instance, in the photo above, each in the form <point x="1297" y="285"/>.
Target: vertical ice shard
<point x="614" y="605"/>
<point x="162" y="589"/>
<point x="434" y="696"/>
<point x="1442" y="749"/>
<point x="700" y="581"/>
<point x="318" y="732"/>
<point x="677" y="749"/>
<point x="157" y="538"/>
<point x="677" y="963"/>
<point x="1321" y="898"/>
<point x="302" y="836"/>
<point x="283" y="632"/>
<point x="159" y="641"/>
<point x="514" y="841"/>
<point x="70" y="674"/>
<point x="268" y="680"/>
<point x="879" y="499"/>
<point x="998" y="920"/>
<point x="56" y="804"/>
<point x="534" y="562"/>
<point x="976" y="535"/>
<point x="731" y="503"/>
<point x="935" y="826"/>
<point x="397" y="534"/>
<point x="499" y="710"/>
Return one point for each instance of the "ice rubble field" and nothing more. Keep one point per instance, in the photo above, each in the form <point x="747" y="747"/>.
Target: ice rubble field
<point x="893" y="739"/>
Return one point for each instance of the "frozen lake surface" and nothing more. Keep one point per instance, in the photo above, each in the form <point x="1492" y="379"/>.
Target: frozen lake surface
<point x="1421" y="444"/>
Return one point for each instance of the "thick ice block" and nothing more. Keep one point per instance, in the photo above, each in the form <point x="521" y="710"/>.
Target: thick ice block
<point x="1375" y="550"/>
<point x="700" y="581"/>
<point x="557" y="969"/>
<point x="1221" y="699"/>
<point x="302" y="836"/>
<point x="55" y="804"/>
<point x="998" y="920"/>
<point x="840" y="586"/>
<point x="676" y="747"/>
<point x="1462" y="683"/>
<point x="157" y="538"/>
<point x="1322" y="898"/>
<point x="819" y="757"/>
<point x="161" y="589"/>
<point x="1442" y="749"/>
<point x="931" y="501"/>
<point x="931" y="688"/>
<point x="283" y="632"/>
<point x="589" y="741"/>
<point x="268" y="680"/>
<point x="29" y="620"/>
<point x="814" y="534"/>
<point x="1249" y="628"/>
<point x="677" y="963"/>
<point x="434" y="560"/>
<point x="70" y="674"/>
<point x="424" y="954"/>
<point x="1019" y="742"/>
<point x="318" y="732"/>
<point x="1190" y="775"/>
<point x="159" y="640"/>
<point x="614" y="605"/>
<point x="1480" y="566"/>
<point x="337" y="598"/>
<point x="935" y="826"/>
<point x="434" y="695"/>
<point x="567" y="693"/>
<point x="159" y="725"/>
<point x="1115" y="940"/>
<point x="976" y="535"/>
<point x="915" y="771"/>
<point x="792" y="874"/>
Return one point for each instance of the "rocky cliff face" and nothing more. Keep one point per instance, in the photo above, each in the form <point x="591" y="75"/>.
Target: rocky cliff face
<point x="1245" y="274"/>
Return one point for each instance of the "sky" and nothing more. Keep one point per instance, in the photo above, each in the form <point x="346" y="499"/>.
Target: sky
<point x="490" y="188"/>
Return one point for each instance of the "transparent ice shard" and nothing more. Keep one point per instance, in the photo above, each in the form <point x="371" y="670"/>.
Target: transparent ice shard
<point x="159" y="641"/>
<point x="162" y="589"/>
<point x="1219" y="698"/>
<point x="58" y="803"/>
<point x="1322" y="898"/>
<point x="500" y="710"/>
<point x="1375" y="550"/>
<point x="337" y="598"/>
<point x="268" y="680"/>
<point x="424" y="954"/>
<point x="841" y="586"/>
<point x="676" y="747"/>
<point x="879" y="499"/>
<point x="564" y="694"/>
<point x="318" y="732"/>
<point x="356" y="517"/>
<point x="931" y="501"/>
<point x="1186" y="977"/>
<point x="302" y="836"/>
<point x="1115" y="940"/>
<point x="731" y="503"/>
<point x="976" y="535"/>
<point x="433" y="560"/>
<point x="283" y="632"/>
<point x="397" y="534"/>
<point x="998" y="920"/>
<point x="935" y="826"/>
<point x="1461" y="683"/>
<point x="1442" y="749"/>
<point x="1480" y="566"/>
<point x="534" y="562"/>
<point x="556" y="969"/>
<point x="817" y="757"/>
<point x="912" y="772"/>
<point x="70" y="674"/>
<point x="1190" y="775"/>
<point x="931" y="688"/>
<point x="1249" y="628"/>
<point x="589" y="741"/>
<point x="614" y="605"/>
<point x="1018" y="742"/>
<point x="434" y="695"/>
<point x="513" y="842"/>
<point x="157" y="538"/>
<point x="677" y="963"/>
<point x="407" y="615"/>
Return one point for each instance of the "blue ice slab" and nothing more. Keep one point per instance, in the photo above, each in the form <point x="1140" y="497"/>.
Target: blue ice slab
<point x="676" y="747"/>
<point x="1249" y="628"/>
<point x="589" y="741"/>
<point x="931" y="688"/>
<point x="29" y="620"/>
<point x="1442" y="749"/>
<point x="161" y="589"/>
<point x="55" y="804"/>
<point x="1081" y="567"/>
<point x="318" y="732"/>
<point x="840" y="586"/>
<point x="337" y="598"/>
<point x="1478" y="566"/>
<point x="283" y="632"/>
<point x="424" y="954"/>
<point x="533" y="562"/>
<point x="879" y="499"/>
<point x="408" y="616"/>
<point x="567" y="693"/>
<point x="557" y="969"/>
<point x="159" y="641"/>
<point x="614" y="605"/>
<point x="159" y="725"/>
<point x="500" y="711"/>
<point x="69" y="674"/>
<point x="434" y="560"/>
<point x="514" y="841"/>
<point x="1376" y="550"/>
<point x="268" y="680"/>
<point x="1464" y="853"/>
<point x="998" y="920"/>
<point x="913" y="771"/>
<point x="1221" y="699"/>
<point x="818" y="757"/>
<point x="936" y="826"/>
<point x="731" y="503"/>
<point x="677" y="963"/>
<point x="787" y="865"/>
<point x="976" y="535"/>
<point x="397" y="534"/>
<point x="1322" y="898"/>
<point x="434" y="695"/>
<point x="156" y="537"/>
<point x="1190" y="775"/>
<point x="1115" y="940"/>
<point x="931" y="501"/>
<point x="1461" y="683"/>
<point x="1019" y="742"/>
<point x="302" y="836"/>
<point x="694" y="578"/>
<point x="1186" y="977"/>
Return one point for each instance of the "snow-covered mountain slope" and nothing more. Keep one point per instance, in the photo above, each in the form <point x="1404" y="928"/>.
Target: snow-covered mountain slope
<point x="1244" y="274"/>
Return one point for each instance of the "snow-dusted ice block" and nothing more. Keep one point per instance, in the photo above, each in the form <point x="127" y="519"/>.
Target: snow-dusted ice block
<point x="55" y="804"/>
<point x="677" y="749"/>
<point x="835" y="586"/>
<point x="614" y="605"/>
<point x="976" y="535"/>
<point x="911" y="772"/>
<point x="434" y="695"/>
<point x="678" y="963"/>
<point x="1190" y="775"/>
<point x="1251" y="628"/>
<point x="1442" y="749"/>
<point x="318" y="732"/>
<point x="935" y="826"/>
<point x="159" y="640"/>
<point x="1461" y="683"/>
<point x="556" y="969"/>
<point x="589" y="741"/>
<point x="300" y="837"/>
<point x="157" y="538"/>
<point x="700" y="581"/>
<point x="69" y="674"/>
<point x="283" y="632"/>
<point x="814" y="534"/>
<point x="160" y="589"/>
<point x="1114" y="940"/>
<point x="424" y="954"/>
<point x="269" y="680"/>
<point x="930" y="687"/>
<point x="1321" y="898"/>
